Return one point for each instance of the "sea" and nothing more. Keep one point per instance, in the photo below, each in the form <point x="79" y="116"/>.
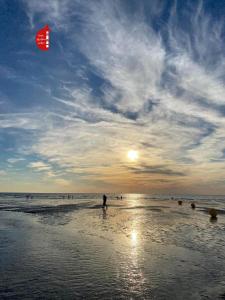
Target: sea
<point x="67" y="246"/>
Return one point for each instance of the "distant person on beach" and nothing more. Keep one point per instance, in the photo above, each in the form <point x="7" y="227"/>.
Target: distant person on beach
<point x="104" y="198"/>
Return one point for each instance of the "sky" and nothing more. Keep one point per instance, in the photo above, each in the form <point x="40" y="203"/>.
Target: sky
<point x="138" y="75"/>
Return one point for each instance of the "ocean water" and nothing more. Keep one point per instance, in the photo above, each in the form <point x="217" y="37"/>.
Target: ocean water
<point x="140" y="247"/>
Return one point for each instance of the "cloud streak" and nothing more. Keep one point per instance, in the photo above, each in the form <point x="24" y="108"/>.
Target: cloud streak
<point x="160" y="169"/>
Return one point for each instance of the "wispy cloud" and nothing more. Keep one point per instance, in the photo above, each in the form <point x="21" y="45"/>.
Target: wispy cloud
<point x="62" y="182"/>
<point x="7" y="72"/>
<point x="29" y="121"/>
<point x="158" y="169"/>
<point x="15" y="160"/>
<point x="57" y="12"/>
<point x="39" y="166"/>
<point x="2" y="173"/>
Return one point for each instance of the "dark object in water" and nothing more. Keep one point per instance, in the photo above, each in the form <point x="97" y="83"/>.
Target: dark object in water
<point x="213" y="213"/>
<point x="193" y="205"/>
<point x="180" y="202"/>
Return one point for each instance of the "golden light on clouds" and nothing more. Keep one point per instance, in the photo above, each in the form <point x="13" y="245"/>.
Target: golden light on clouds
<point x="132" y="155"/>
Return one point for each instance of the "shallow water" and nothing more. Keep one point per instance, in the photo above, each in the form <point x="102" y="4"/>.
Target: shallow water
<point x="141" y="247"/>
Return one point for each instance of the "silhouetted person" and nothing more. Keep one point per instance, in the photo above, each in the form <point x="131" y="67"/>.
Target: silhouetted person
<point x="104" y="198"/>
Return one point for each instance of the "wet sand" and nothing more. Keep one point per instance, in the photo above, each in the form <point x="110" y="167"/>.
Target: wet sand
<point x="139" y="248"/>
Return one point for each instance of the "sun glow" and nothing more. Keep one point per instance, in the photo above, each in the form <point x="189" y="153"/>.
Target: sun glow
<point x="132" y="155"/>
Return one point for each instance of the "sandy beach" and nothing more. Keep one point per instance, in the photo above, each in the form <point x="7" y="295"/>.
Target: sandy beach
<point x="139" y="248"/>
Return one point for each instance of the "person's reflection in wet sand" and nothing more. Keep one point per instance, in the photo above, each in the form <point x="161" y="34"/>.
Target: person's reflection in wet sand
<point x="104" y="212"/>
<point x="213" y="220"/>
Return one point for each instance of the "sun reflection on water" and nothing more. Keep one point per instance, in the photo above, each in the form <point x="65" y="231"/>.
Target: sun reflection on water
<point x="134" y="238"/>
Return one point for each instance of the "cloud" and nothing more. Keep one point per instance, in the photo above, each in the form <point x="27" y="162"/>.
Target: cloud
<point x="54" y="12"/>
<point x="39" y="166"/>
<point x="29" y="121"/>
<point x="126" y="52"/>
<point x="15" y="160"/>
<point x="50" y="174"/>
<point x="2" y="173"/>
<point x="7" y="72"/>
<point x="160" y="169"/>
<point x="62" y="182"/>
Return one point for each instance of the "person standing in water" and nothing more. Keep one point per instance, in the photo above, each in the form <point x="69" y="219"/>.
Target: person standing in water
<point x="104" y="198"/>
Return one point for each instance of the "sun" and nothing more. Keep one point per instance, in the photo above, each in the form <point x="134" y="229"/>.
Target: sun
<point x="132" y="155"/>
